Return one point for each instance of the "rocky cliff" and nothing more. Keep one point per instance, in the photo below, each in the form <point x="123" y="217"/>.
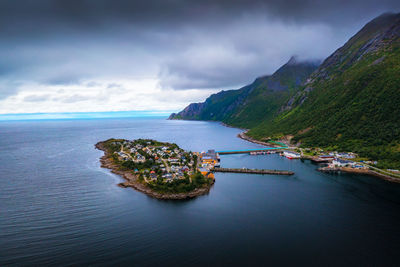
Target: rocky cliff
<point x="248" y="105"/>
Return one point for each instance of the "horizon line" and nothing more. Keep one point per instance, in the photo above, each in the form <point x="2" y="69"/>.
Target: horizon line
<point x="83" y="115"/>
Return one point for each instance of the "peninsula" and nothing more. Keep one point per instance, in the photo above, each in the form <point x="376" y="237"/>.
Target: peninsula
<point x="160" y="170"/>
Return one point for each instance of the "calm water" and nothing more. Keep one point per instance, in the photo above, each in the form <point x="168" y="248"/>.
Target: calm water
<point x="58" y="207"/>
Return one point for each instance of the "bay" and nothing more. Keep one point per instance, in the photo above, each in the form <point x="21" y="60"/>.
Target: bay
<point x="58" y="207"/>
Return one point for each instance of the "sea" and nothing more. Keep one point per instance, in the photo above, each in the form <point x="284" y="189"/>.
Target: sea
<point x="58" y="207"/>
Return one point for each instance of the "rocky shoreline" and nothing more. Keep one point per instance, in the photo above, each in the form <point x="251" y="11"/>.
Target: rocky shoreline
<point x="133" y="181"/>
<point x="243" y="136"/>
<point x="360" y="171"/>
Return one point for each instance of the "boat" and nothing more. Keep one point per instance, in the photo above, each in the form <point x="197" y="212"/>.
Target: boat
<point x="291" y="155"/>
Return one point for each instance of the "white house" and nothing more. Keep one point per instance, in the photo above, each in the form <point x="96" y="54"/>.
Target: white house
<point x="342" y="163"/>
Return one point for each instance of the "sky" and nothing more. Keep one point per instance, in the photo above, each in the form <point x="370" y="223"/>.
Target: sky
<point x="62" y="56"/>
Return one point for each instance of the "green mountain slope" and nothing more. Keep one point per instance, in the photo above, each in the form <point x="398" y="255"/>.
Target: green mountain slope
<point x="352" y="102"/>
<point x="250" y="105"/>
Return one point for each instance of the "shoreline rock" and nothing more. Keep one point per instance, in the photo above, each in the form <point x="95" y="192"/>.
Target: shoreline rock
<point x="243" y="136"/>
<point x="131" y="180"/>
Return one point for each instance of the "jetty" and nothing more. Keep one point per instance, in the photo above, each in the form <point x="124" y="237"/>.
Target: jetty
<point x="252" y="171"/>
<point x="247" y="151"/>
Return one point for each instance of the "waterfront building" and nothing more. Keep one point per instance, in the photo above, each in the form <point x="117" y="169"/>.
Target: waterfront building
<point x="210" y="157"/>
<point x="342" y="163"/>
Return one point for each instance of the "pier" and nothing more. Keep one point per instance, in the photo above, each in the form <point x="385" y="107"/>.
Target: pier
<point x="245" y="151"/>
<point x="252" y="171"/>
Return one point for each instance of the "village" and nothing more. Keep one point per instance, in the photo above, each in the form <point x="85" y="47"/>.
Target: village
<point x="156" y="161"/>
<point x="165" y="165"/>
<point x="336" y="162"/>
<point x="332" y="159"/>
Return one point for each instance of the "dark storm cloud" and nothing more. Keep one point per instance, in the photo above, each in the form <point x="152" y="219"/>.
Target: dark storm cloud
<point x="186" y="43"/>
<point x="27" y="15"/>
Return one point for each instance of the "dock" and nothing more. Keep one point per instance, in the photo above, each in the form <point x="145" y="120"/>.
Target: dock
<point x="247" y="151"/>
<point x="252" y="171"/>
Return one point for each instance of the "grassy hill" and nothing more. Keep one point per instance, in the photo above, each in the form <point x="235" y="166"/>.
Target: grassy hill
<point x="352" y="102"/>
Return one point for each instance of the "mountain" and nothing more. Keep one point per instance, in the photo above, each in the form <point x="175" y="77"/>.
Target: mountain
<point x="248" y="106"/>
<point x="351" y="102"/>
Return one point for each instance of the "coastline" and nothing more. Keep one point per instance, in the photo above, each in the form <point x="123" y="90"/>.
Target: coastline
<point x="388" y="178"/>
<point x="131" y="180"/>
<point x="360" y="171"/>
<point x="243" y="136"/>
<point x="229" y="126"/>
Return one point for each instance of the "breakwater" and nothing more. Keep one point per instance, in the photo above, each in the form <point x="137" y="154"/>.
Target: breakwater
<point x="252" y="171"/>
<point x="247" y="151"/>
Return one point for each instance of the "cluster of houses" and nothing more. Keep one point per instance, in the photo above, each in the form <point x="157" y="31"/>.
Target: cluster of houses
<point x="338" y="159"/>
<point x="338" y="162"/>
<point x="162" y="160"/>
<point x="332" y="155"/>
<point x="334" y="159"/>
<point x="321" y="158"/>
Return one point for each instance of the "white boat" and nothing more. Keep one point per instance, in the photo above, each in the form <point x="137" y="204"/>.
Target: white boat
<point x="291" y="155"/>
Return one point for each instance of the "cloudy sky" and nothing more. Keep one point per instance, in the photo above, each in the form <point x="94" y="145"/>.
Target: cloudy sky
<point x="109" y="55"/>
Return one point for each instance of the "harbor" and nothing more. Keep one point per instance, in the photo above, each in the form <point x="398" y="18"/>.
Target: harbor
<point x="256" y="150"/>
<point x="252" y="171"/>
<point x="210" y="162"/>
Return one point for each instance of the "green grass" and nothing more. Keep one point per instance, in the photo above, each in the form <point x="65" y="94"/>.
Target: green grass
<point x="358" y="110"/>
<point x="354" y="104"/>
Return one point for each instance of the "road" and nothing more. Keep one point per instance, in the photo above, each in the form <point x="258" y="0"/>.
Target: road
<point x="166" y="165"/>
<point x="381" y="171"/>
